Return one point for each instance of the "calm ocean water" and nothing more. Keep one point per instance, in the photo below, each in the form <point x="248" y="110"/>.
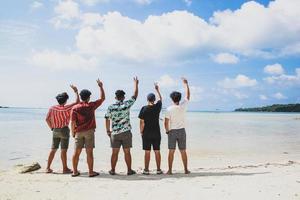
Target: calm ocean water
<point x="214" y="139"/>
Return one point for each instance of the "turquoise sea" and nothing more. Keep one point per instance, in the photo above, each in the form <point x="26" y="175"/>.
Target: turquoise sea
<point x="215" y="139"/>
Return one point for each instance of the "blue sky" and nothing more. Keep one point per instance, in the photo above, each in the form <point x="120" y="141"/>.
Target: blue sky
<point x="235" y="53"/>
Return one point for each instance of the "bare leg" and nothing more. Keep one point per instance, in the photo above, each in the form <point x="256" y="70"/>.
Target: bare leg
<point x="90" y="160"/>
<point x="147" y="160"/>
<point x="157" y="159"/>
<point x="63" y="155"/>
<point x="170" y="160"/>
<point x="50" y="159"/>
<point x="114" y="158"/>
<point x="184" y="161"/>
<point x="76" y="159"/>
<point x="127" y="158"/>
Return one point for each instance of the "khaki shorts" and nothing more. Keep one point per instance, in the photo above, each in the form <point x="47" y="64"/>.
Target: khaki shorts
<point x="85" y="139"/>
<point x="61" y="136"/>
<point x="122" y="139"/>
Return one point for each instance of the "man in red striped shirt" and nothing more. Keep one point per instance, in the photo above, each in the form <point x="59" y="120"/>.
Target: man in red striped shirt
<point x="58" y="119"/>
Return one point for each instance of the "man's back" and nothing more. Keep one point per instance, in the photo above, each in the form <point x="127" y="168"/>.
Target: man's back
<point x="119" y="113"/>
<point x="84" y="115"/>
<point x="59" y="115"/>
<point x="150" y="115"/>
<point x="176" y="115"/>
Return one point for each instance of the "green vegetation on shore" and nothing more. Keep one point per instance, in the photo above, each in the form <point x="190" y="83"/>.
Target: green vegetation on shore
<point x="272" y="108"/>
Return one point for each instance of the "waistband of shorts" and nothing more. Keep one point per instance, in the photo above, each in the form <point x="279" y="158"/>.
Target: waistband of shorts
<point x="61" y="129"/>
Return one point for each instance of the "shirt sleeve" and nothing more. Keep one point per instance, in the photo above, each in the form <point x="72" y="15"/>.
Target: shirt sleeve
<point x="49" y="116"/>
<point x="158" y="105"/>
<point x="168" y="115"/>
<point x="96" y="104"/>
<point x="73" y="115"/>
<point x="129" y="102"/>
<point x="108" y="114"/>
<point x="141" y="114"/>
<point x="184" y="104"/>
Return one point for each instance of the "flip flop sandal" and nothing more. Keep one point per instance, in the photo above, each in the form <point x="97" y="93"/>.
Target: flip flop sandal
<point x="159" y="172"/>
<point x="145" y="172"/>
<point x="94" y="174"/>
<point x="74" y="175"/>
<point x="112" y="173"/>
<point x="49" y="171"/>
<point x="132" y="172"/>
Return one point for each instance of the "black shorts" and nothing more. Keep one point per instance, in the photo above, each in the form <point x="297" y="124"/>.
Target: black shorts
<point x="148" y="142"/>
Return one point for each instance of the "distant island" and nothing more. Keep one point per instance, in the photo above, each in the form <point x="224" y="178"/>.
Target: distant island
<point x="3" y="107"/>
<point x="272" y="108"/>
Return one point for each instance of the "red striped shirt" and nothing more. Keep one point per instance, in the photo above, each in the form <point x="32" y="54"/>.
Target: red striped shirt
<point x="59" y="116"/>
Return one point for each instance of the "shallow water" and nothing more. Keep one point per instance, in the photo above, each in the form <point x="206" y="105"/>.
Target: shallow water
<point x="214" y="139"/>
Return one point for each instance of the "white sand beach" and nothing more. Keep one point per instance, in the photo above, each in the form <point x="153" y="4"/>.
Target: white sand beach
<point x="257" y="147"/>
<point x="265" y="181"/>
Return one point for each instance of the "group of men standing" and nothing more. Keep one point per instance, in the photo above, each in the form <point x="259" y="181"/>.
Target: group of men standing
<point x="118" y="128"/>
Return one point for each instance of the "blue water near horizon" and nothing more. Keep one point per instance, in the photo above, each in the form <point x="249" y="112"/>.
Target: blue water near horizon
<point x="213" y="138"/>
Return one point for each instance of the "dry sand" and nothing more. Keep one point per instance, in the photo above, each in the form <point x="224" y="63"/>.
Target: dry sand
<point x="264" y="181"/>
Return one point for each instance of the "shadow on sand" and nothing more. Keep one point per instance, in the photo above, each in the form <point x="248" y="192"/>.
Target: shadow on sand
<point x="138" y="176"/>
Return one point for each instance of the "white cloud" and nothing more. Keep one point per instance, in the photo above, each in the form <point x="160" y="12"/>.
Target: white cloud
<point x="239" y="81"/>
<point x="275" y="69"/>
<point x="263" y="97"/>
<point x="143" y="2"/>
<point x="67" y="11"/>
<point x="196" y="93"/>
<point x="167" y="81"/>
<point x="188" y="2"/>
<point x="36" y="5"/>
<point x="279" y="96"/>
<point x="181" y="35"/>
<point x="225" y="58"/>
<point x="284" y="79"/>
<point x="62" y="61"/>
<point x="94" y="2"/>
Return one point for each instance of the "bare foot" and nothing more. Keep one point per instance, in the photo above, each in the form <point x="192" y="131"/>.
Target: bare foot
<point x="49" y="171"/>
<point x="67" y="171"/>
<point x="169" y="172"/>
<point x="187" y="172"/>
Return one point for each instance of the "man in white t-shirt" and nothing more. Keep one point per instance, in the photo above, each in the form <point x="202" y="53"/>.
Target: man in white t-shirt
<point x="175" y="126"/>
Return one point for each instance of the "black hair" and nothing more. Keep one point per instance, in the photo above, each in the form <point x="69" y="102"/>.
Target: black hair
<point x="85" y="94"/>
<point x="175" y="96"/>
<point x="151" y="97"/>
<point x="62" y="98"/>
<point x="120" y="94"/>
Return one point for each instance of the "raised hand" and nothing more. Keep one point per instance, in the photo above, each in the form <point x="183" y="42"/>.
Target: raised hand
<point x="185" y="81"/>
<point x="74" y="88"/>
<point x="100" y="84"/>
<point x="156" y="86"/>
<point x="136" y="80"/>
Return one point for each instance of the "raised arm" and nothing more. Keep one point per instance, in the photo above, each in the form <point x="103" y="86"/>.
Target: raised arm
<point x="74" y="88"/>
<point x="102" y="93"/>
<point x="187" y="88"/>
<point x="158" y="91"/>
<point x="136" y="87"/>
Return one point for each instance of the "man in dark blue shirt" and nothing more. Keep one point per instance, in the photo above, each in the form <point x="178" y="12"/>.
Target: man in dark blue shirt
<point x="150" y="129"/>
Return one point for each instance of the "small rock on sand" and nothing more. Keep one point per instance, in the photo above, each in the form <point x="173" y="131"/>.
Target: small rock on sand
<point x="29" y="168"/>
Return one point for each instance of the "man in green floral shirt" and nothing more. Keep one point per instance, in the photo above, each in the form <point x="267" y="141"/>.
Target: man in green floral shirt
<point x="119" y="129"/>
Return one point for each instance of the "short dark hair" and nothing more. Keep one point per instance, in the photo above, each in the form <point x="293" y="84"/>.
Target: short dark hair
<point x="85" y="94"/>
<point x="120" y="94"/>
<point x="175" y="96"/>
<point x="62" y="98"/>
<point x="151" y="97"/>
